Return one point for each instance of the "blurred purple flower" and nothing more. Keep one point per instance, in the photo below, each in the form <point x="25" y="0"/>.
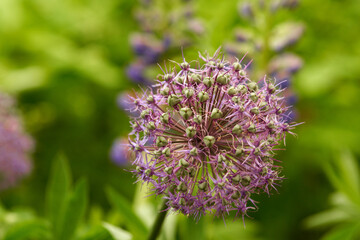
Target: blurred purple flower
<point x="15" y="146"/>
<point x="120" y="152"/>
<point x="136" y="72"/>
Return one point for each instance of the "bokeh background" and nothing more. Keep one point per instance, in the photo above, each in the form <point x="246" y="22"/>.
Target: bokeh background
<point x="68" y="64"/>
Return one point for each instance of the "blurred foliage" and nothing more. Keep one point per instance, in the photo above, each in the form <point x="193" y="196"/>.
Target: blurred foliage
<point x="65" y="61"/>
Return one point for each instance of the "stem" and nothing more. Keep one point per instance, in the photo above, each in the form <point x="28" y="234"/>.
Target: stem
<point x="155" y="231"/>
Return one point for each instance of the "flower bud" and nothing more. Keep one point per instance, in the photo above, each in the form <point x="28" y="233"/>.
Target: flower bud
<point x="190" y="132"/>
<point x="188" y="92"/>
<point x="232" y="91"/>
<point x="208" y="81"/>
<point x="209" y="141"/>
<point x="254" y="97"/>
<point x="173" y="100"/>
<point x="236" y="66"/>
<point x="183" y="163"/>
<point x="194" y="151"/>
<point x="166" y="152"/>
<point x="252" y="128"/>
<point x="203" y="96"/>
<point x="237" y="130"/>
<point x="186" y="113"/>
<point x="197" y="119"/>
<point x="165" y="91"/>
<point x="196" y="78"/>
<point x="216" y="113"/>
<point x="161" y="141"/>
<point x="222" y="79"/>
<point x="164" y="118"/>
<point x="255" y="110"/>
<point x="253" y="86"/>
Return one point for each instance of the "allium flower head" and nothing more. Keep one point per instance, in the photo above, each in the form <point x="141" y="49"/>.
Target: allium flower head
<point x="205" y="138"/>
<point x="15" y="145"/>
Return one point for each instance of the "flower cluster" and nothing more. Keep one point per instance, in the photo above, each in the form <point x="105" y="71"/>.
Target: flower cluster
<point x="15" y="146"/>
<point x="205" y="139"/>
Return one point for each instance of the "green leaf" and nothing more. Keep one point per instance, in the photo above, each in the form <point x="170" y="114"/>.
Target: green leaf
<point x="57" y="192"/>
<point x="345" y="232"/>
<point x="327" y="217"/>
<point x="117" y="233"/>
<point x="74" y="210"/>
<point x="133" y="222"/>
<point x="34" y="229"/>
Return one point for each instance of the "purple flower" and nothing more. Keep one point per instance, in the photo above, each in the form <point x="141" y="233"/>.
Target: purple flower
<point x="215" y="135"/>
<point x="15" y="146"/>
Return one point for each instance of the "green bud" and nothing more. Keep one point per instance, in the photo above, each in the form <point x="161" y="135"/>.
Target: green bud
<point x="221" y="184"/>
<point x="239" y="151"/>
<point x="264" y="171"/>
<point x="194" y="152"/>
<point x="235" y="99"/>
<point x="232" y="91"/>
<point x="203" y="96"/>
<point x="237" y="130"/>
<point x="257" y="151"/>
<point x="242" y="89"/>
<point x="188" y="92"/>
<point x="173" y="100"/>
<point x="242" y="73"/>
<point x="263" y="106"/>
<point x="222" y="79"/>
<point x="150" y="99"/>
<point x="252" y="128"/>
<point x="161" y="141"/>
<point x="147" y="172"/>
<point x="165" y="91"/>
<point x="236" y="66"/>
<point x="168" y="170"/>
<point x="166" y="152"/>
<point x="190" y="132"/>
<point x="192" y="172"/>
<point x="151" y="126"/>
<point x="254" y="97"/>
<point x="216" y="113"/>
<point x="221" y="158"/>
<point x="209" y="141"/>
<point x="208" y="81"/>
<point x="184" y="65"/>
<point x="183" y="163"/>
<point x="236" y="179"/>
<point x="197" y="119"/>
<point x="137" y="148"/>
<point x="186" y="113"/>
<point x="271" y="124"/>
<point x="164" y="118"/>
<point x="167" y="77"/>
<point x="157" y="153"/>
<point x="253" y="86"/>
<point x="271" y="88"/>
<point x="203" y="186"/>
<point x="235" y="195"/>
<point x="196" y="78"/>
<point x="182" y="201"/>
<point x="211" y="64"/>
<point x="255" y="110"/>
<point x="182" y="187"/>
<point x="245" y="181"/>
<point x="180" y="80"/>
<point x="138" y="168"/>
<point x="144" y="113"/>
